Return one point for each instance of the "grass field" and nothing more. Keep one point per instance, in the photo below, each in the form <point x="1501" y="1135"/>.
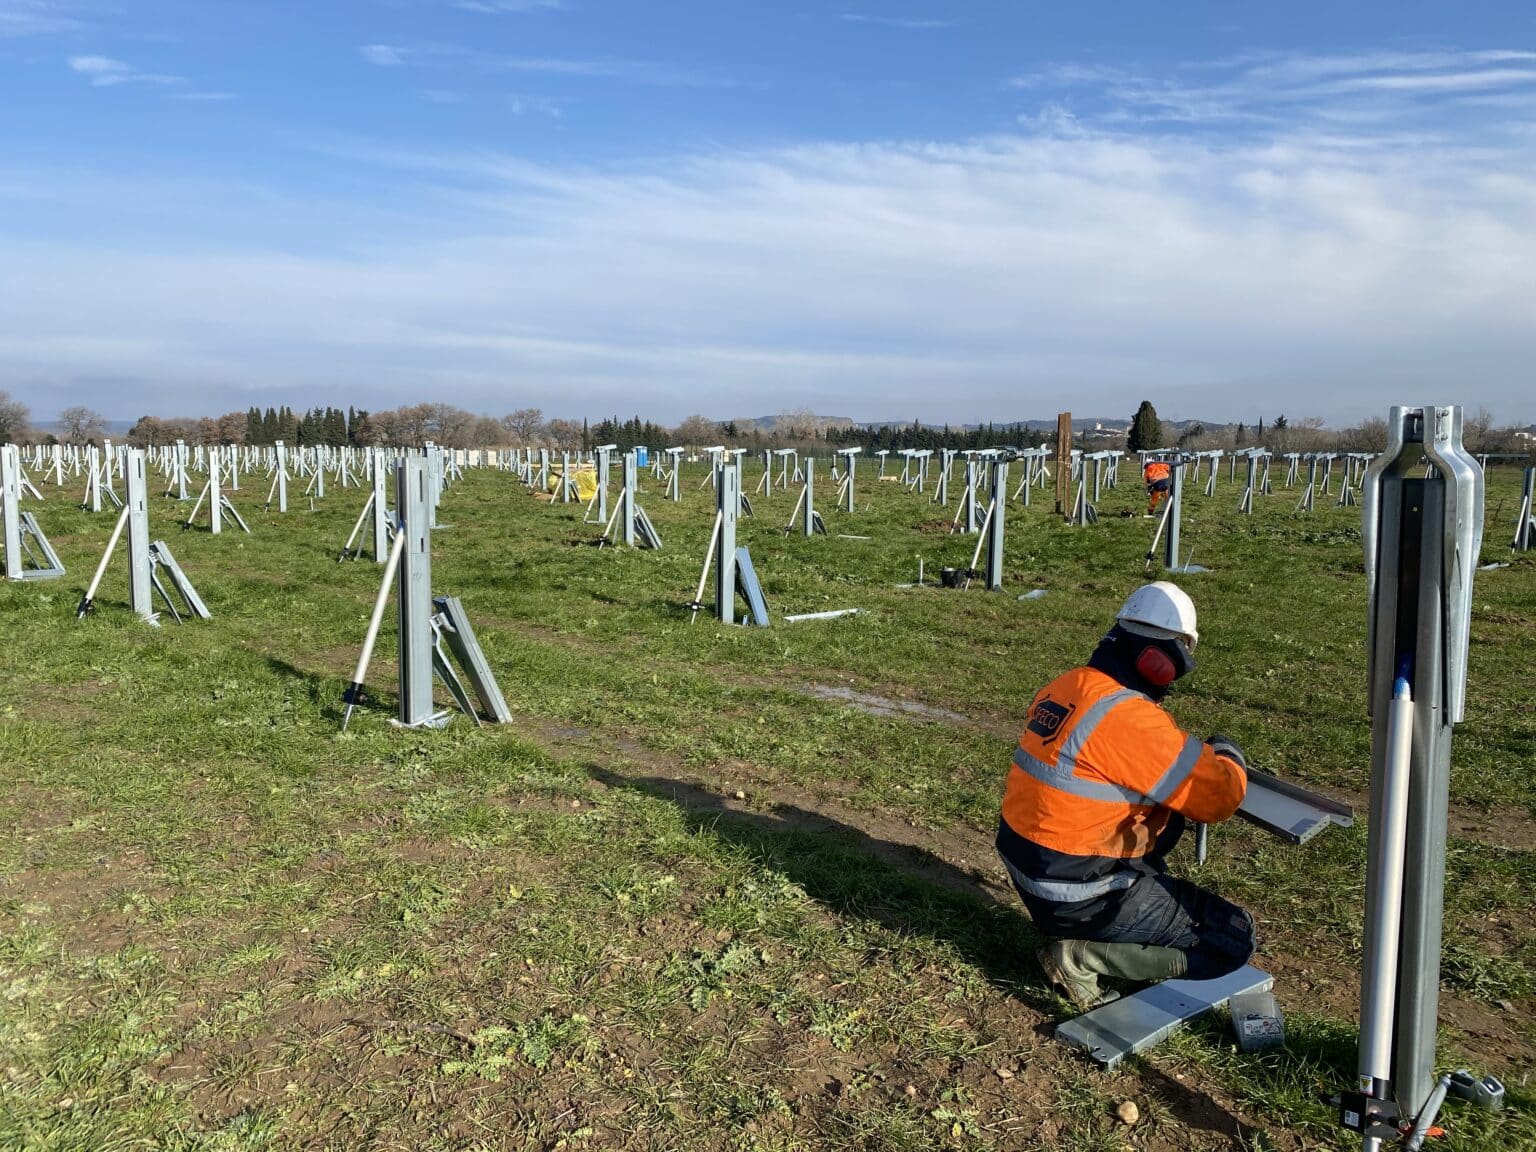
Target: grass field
<point x="716" y="887"/>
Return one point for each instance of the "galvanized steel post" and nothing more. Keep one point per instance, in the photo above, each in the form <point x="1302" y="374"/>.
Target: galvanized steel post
<point x="727" y="505"/>
<point x="413" y="505"/>
<point x="1422" y="540"/>
<point x="996" y="518"/>
<point x="140" y="583"/>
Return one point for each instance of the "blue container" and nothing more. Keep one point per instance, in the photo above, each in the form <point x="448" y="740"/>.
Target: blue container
<point x="642" y="457"/>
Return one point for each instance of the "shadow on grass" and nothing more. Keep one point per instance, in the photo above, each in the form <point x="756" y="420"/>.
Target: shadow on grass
<point x="913" y="892"/>
<point x="321" y="691"/>
<point x="905" y="888"/>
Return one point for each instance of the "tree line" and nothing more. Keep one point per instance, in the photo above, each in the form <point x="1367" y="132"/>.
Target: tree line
<point x="454" y="427"/>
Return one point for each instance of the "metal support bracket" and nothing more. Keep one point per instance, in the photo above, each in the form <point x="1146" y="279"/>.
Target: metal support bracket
<point x="1288" y="811"/>
<point x="1146" y="1018"/>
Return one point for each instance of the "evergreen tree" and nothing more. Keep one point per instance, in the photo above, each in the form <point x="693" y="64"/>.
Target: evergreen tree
<point x="1146" y="429"/>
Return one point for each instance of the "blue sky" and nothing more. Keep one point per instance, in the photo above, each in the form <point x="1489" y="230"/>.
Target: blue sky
<point x="952" y="211"/>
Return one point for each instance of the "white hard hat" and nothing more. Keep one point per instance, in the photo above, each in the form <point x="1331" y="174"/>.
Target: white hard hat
<point x="1161" y="610"/>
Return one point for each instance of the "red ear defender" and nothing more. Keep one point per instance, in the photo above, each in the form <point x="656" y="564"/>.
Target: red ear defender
<point x="1156" y="667"/>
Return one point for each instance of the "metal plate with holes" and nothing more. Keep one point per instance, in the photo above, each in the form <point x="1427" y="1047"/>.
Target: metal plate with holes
<point x="1288" y="811"/>
<point x="1137" y="1022"/>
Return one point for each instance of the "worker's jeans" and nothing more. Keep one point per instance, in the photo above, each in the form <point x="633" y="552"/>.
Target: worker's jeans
<point x="1215" y="934"/>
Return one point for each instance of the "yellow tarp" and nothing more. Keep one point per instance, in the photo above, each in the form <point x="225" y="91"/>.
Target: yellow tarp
<point x="585" y="476"/>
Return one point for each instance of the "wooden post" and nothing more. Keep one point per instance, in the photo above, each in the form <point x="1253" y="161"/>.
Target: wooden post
<point x="1063" y="462"/>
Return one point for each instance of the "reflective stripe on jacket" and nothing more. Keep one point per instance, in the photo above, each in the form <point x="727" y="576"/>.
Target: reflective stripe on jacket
<point x="1098" y="772"/>
<point x="1156" y="471"/>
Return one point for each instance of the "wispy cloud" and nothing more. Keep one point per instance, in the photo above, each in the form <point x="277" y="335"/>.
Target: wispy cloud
<point x="384" y="55"/>
<point x="98" y="66"/>
<point x="644" y="72"/>
<point x="1272" y="88"/>
<point x="650" y="73"/>
<point x="532" y="106"/>
<point x="502" y="7"/>
<point x="106" y="72"/>
<point x="37" y="18"/>
<point x="911" y="23"/>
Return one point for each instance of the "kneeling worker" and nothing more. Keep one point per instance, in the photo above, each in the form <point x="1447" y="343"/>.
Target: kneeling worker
<point x="1102" y="782"/>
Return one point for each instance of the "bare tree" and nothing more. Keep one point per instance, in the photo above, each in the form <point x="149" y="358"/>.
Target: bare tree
<point x="79" y="425"/>
<point x="1368" y="436"/>
<point x="448" y="425"/>
<point x="487" y="432"/>
<point x="699" y="431"/>
<point x="1475" y="429"/>
<point x="15" y="420"/>
<point x="1307" y="435"/>
<point x="798" y="424"/>
<point x="524" y="425"/>
<point x="565" y="434"/>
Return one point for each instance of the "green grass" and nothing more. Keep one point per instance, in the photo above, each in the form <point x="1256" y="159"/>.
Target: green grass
<point x="225" y="925"/>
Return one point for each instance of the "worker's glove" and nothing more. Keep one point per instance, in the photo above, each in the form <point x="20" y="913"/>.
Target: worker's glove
<point x="1226" y="746"/>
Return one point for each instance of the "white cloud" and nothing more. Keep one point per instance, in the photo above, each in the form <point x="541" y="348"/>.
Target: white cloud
<point x="502" y="7"/>
<point x="105" y="72"/>
<point x="910" y="23"/>
<point x="383" y="55"/>
<point x="97" y="65"/>
<point x="532" y="105"/>
<point x="641" y="72"/>
<point x="1271" y="90"/>
<point x="36" y="18"/>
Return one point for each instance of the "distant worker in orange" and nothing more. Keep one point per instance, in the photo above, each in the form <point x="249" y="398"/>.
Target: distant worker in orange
<point x="1102" y="782"/>
<point x="1159" y="477"/>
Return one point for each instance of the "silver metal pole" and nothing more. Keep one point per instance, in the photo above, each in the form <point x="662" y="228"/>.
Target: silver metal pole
<point x="709" y="556"/>
<point x="627" y="497"/>
<point x="354" y="693"/>
<point x="997" y="512"/>
<point x="413" y="505"/>
<point x="1174" y="514"/>
<point x="1383" y="912"/>
<point x="809" y="524"/>
<point x="728" y="498"/>
<point x="140" y="584"/>
<point x="86" y="602"/>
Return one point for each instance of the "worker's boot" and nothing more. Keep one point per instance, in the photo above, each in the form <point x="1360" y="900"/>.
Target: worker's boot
<point x="1076" y="965"/>
<point x="1137" y="963"/>
<point x="1062" y="962"/>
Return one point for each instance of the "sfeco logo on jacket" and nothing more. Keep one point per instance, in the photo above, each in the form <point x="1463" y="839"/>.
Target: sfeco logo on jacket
<point x="1047" y="718"/>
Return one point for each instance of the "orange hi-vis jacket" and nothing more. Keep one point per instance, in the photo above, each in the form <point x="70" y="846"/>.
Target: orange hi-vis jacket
<point x="1156" y="470"/>
<point x="1098" y="773"/>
